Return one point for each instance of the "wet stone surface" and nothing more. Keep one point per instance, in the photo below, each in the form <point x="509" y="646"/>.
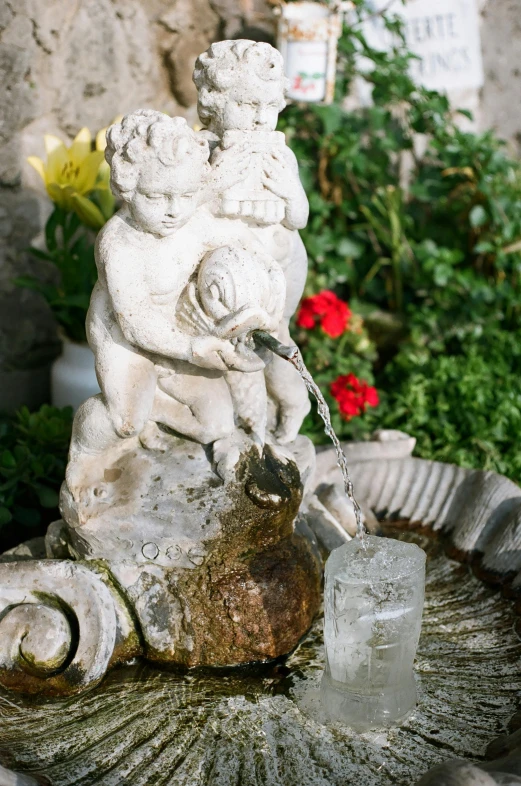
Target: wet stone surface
<point x="180" y="542"/>
<point x="143" y="726"/>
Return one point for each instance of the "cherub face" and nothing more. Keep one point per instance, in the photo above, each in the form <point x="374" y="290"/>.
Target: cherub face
<point x="253" y="105"/>
<point x="166" y="197"/>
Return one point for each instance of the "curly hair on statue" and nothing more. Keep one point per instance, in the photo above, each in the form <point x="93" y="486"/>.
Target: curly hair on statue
<point x="145" y="135"/>
<point x="226" y="63"/>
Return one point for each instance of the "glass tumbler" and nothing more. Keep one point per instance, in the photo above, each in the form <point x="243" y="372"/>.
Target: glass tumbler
<point x="373" y="604"/>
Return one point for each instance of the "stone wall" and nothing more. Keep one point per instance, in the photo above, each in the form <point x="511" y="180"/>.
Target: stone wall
<point x="500" y="100"/>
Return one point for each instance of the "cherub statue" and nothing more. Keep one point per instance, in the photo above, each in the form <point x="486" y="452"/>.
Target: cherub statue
<point x="179" y="540"/>
<point x="241" y="87"/>
<point x="166" y="333"/>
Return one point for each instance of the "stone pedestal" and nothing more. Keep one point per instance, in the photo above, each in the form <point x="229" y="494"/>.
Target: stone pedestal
<point x="214" y="572"/>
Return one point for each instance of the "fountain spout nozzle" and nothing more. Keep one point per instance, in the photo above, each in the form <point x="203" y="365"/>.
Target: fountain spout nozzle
<point x="261" y="337"/>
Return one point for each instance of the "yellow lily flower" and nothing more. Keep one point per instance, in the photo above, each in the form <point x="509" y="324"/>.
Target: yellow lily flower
<point x="71" y="173"/>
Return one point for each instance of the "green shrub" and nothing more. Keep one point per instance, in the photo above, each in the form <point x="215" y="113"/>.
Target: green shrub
<point x="72" y="272"/>
<point x="417" y="224"/>
<point x="33" y="457"/>
<point x="463" y="408"/>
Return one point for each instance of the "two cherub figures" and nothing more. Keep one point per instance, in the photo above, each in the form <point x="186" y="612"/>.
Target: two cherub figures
<point x="204" y="250"/>
<point x="186" y="473"/>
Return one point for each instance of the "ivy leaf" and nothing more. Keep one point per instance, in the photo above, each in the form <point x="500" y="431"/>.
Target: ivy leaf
<point x="485" y="247"/>
<point x="349" y="248"/>
<point x="7" y="460"/>
<point x="332" y="116"/>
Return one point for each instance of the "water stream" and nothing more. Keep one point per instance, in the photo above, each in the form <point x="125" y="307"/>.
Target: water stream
<point x="293" y="356"/>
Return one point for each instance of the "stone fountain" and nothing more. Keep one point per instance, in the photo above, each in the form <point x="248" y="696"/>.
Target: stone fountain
<point x="186" y="474"/>
<point x="195" y="517"/>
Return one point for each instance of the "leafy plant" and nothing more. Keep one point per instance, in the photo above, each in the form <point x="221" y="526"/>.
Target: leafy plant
<point x="77" y="181"/>
<point x="71" y="252"/>
<point x="417" y="223"/>
<point x="33" y="457"/>
<point x="463" y="408"/>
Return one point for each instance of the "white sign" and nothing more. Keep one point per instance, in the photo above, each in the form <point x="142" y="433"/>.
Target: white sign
<point x="443" y="33"/>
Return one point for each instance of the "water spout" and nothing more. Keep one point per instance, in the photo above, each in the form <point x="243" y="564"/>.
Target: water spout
<point x="287" y="353"/>
<point x="293" y="356"/>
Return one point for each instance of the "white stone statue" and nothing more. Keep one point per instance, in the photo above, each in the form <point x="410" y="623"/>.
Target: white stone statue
<point x="183" y="537"/>
<point x="146" y="322"/>
<point x="241" y="88"/>
<point x="145" y="378"/>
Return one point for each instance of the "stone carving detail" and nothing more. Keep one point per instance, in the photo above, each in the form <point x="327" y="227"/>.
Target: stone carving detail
<point x="61" y="625"/>
<point x="186" y="474"/>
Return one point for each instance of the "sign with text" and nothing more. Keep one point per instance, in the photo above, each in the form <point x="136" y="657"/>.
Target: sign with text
<point x="444" y="34"/>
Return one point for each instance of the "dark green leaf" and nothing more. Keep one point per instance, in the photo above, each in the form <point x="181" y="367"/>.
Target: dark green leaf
<point x="5" y="516"/>
<point x="48" y="497"/>
<point x="7" y="460"/>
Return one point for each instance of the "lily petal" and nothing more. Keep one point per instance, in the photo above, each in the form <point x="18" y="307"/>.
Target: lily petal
<point x="57" y="158"/>
<point x="103" y="180"/>
<point x="87" y="211"/>
<point x="81" y="147"/>
<point x="53" y="143"/>
<point x="87" y="175"/>
<point x="60" y="195"/>
<point x="101" y="138"/>
<point x="37" y="164"/>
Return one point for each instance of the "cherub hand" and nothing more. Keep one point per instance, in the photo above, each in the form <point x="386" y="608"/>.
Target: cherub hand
<point x="278" y="176"/>
<point x="215" y="353"/>
<point x="243" y="321"/>
<point x="229" y="168"/>
<point x="239" y="357"/>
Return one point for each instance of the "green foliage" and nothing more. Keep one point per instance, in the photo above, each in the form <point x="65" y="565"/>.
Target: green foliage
<point x="418" y="222"/>
<point x="33" y="456"/>
<point x="464" y="408"/>
<point x="70" y="249"/>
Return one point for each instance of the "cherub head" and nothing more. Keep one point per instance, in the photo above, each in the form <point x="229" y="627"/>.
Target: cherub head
<point x="159" y="167"/>
<point x="241" y="86"/>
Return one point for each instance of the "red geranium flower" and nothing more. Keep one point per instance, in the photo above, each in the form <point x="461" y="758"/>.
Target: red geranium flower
<point x="353" y="395"/>
<point x="328" y="310"/>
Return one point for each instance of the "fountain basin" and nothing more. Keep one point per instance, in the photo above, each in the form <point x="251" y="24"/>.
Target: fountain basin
<point x="145" y="726"/>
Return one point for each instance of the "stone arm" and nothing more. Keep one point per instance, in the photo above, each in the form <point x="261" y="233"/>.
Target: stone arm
<point x="281" y="177"/>
<point x="295" y="272"/>
<point x="145" y="326"/>
<point x="297" y="206"/>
